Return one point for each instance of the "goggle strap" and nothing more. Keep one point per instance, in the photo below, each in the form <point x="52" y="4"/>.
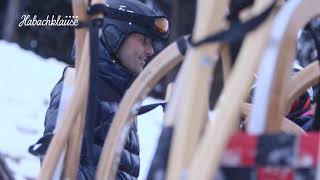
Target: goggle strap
<point x="139" y="19"/>
<point x="235" y="31"/>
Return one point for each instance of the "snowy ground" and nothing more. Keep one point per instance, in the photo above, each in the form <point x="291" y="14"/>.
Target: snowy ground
<point x="26" y="82"/>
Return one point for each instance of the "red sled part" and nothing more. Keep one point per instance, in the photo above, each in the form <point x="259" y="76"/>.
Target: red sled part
<point x="274" y="173"/>
<point x="241" y="151"/>
<point x="308" y="150"/>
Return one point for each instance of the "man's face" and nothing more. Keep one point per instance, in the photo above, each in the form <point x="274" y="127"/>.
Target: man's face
<point x="134" y="52"/>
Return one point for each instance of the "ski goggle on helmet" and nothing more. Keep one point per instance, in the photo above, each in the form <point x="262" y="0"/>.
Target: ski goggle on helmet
<point x="124" y="17"/>
<point x="158" y="26"/>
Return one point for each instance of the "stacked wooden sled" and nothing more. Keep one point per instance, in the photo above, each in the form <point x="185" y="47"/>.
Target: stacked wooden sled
<point x="193" y="145"/>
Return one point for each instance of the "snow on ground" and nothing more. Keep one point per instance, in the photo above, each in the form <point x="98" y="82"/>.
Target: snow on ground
<point x="26" y="82"/>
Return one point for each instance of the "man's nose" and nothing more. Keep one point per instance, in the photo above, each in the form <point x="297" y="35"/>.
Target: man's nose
<point x="149" y="50"/>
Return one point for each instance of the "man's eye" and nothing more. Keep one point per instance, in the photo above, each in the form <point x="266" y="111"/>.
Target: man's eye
<point x="142" y="39"/>
<point x="145" y="40"/>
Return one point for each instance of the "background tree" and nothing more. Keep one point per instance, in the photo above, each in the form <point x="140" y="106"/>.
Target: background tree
<point x="57" y="41"/>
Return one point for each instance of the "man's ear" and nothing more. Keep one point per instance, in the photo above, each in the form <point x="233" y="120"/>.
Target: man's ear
<point x="111" y="38"/>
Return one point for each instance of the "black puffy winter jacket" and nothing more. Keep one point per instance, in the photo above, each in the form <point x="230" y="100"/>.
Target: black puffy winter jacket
<point x="113" y="80"/>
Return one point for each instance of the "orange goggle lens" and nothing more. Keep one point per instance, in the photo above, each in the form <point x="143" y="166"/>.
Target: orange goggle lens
<point x="161" y="25"/>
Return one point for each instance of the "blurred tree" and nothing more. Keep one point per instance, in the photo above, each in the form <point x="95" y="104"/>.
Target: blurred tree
<point x="57" y="41"/>
<point x="3" y="7"/>
<point x="181" y="14"/>
<point x="13" y="8"/>
<point x="46" y="41"/>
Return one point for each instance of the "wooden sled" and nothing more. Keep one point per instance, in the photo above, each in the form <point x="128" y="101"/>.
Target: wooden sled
<point x="114" y="137"/>
<point x="205" y="163"/>
<point x="236" y="90"/>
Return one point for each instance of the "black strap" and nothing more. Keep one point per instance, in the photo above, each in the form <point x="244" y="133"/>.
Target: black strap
<point x="147" y="108"/>
<point x="236" y="31"/>
<point x="88" y="139"/>
<point x="182" y="45"/>
<point x="41" y="146"/>
<point x="81" y="24"/>
<point x="235" y="7"/>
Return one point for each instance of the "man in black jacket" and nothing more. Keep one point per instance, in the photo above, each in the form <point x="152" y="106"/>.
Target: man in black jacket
<point x="123" y="49"/>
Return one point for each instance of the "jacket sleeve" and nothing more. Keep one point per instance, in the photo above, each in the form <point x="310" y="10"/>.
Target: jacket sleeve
<point x="52" y="111"/>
